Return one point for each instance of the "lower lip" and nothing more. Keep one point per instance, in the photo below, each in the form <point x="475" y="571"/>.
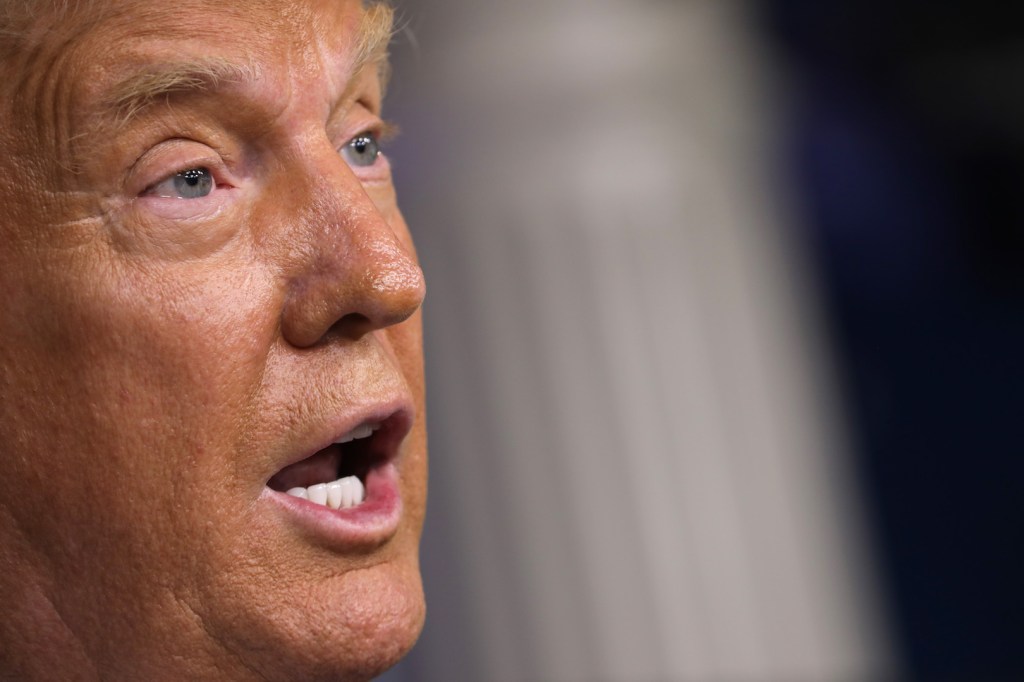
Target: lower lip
<point x="367" y="525"/>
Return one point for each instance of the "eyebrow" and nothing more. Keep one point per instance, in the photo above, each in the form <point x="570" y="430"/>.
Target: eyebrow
<point x="135" y="93"/>
<point x="131" y="96"/>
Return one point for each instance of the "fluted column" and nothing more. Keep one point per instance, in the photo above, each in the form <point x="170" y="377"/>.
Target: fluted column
<point x="638" y="466"/>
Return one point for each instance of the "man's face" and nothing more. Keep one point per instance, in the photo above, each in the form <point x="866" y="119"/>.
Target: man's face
<point x="205" y="285"/>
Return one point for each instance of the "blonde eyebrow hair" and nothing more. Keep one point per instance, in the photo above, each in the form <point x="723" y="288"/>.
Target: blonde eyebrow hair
<point x="157" y="81"/>
<point x="376" y="29"/>
<point x="137" y="92"/>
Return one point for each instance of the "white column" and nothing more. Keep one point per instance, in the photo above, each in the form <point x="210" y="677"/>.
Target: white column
<point x="638" y="467"/>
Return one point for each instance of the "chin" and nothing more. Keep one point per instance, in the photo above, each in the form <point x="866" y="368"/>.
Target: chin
<point x="352" y="626"/>
<point x="385" y="611"/>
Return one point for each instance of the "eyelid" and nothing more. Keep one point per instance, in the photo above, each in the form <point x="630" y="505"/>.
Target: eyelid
<point x="383" y="131"/>
<point x="151" y="191"/>
<point x="166" y="159"/>
<point x="216" y="169"/>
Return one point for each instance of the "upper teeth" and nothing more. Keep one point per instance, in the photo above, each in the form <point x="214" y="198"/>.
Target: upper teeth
<point x="341" y="494"/>
<point x="363" y="431"/>
<point x="345" y="492"/>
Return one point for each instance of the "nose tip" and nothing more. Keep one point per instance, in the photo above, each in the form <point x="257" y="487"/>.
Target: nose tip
<point x="354" y="295"/>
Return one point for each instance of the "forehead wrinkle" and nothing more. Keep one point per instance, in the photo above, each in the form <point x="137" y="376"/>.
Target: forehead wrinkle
<point x="130" y="97"/>
<point x="42" y="97"/>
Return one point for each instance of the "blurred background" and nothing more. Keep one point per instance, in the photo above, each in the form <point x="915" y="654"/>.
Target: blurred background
<point x="724" y="337"/>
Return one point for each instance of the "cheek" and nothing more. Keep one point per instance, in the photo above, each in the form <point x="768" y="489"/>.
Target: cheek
<point x="405" y="341"/>
<point x="176" y="229"/>
<point x="122" y="396"/>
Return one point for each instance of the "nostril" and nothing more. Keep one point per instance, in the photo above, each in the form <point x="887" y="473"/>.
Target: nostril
<point x="354" y="325"/>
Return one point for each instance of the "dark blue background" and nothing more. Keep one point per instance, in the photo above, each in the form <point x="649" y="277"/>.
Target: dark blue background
<point x="907" y="144"/>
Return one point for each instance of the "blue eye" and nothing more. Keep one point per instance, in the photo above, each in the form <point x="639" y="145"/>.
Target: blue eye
<point x="362" y="150"/>
<point x="193" y="183"/>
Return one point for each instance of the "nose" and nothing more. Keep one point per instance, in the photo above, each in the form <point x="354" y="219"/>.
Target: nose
<point x="352" y="272"/>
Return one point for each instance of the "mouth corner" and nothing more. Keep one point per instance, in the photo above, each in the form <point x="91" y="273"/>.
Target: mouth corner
<point x="393" y="430"/>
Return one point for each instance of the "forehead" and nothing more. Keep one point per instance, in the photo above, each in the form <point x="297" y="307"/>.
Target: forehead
<point x="83" y="48"/>
<point x="32" y="26"/>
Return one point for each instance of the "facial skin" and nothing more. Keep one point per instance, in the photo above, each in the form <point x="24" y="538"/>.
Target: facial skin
<point x="162" y="357"/>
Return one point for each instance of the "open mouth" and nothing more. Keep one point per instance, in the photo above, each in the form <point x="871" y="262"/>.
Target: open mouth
<point x="346" y="491"/>
<point x="336" y="476"/>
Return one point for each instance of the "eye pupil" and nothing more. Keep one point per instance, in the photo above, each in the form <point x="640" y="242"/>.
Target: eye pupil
<point x="194" y="183"/>
<point x="193" y="177"/>
<point x="362" y="150"/>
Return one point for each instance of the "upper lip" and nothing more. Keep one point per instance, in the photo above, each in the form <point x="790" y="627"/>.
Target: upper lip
<point x="393" y="419"/>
